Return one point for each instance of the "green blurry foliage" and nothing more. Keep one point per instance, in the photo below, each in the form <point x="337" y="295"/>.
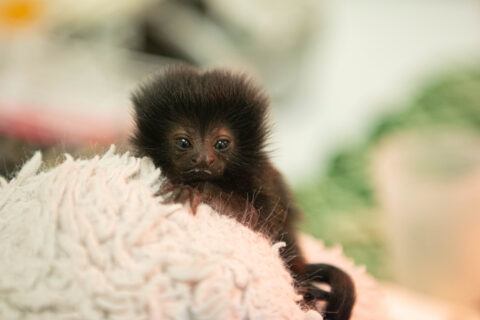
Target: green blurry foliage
<point x="452" y="100"/>
<point x="340" y="205"/>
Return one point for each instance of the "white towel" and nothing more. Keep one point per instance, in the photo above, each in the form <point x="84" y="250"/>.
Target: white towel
<point x="88" y="240"/>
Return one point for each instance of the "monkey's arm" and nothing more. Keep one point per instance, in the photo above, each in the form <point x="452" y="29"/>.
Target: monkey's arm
<point x="226" y="203"/>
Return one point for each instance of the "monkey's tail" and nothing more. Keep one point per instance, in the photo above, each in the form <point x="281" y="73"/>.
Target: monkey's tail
<point x="341" y="297"/>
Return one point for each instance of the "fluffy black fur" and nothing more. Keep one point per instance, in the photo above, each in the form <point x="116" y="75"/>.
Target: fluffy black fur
<point x="188" y="97"/>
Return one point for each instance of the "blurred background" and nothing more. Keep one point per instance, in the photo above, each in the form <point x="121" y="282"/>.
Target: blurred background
<point x="376" y="106"/>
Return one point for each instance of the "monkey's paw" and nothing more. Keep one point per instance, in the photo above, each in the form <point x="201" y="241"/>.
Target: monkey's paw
<point x="181" y="194"/>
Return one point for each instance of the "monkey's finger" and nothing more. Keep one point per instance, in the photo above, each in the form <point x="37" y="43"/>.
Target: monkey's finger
<point x="194" y="203"/>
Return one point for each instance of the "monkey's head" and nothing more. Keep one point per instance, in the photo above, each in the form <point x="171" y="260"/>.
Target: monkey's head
<point x="201" y="126"/>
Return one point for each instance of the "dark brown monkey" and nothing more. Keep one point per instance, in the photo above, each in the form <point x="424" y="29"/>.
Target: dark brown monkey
<point x="207" y="132"/>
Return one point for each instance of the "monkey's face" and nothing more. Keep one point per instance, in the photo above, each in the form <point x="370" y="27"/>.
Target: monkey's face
<point x="200" y="157"/>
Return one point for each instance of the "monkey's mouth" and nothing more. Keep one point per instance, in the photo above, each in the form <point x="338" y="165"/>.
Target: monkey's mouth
<point x="197" y="170"/>
<point x="196" y="174"/>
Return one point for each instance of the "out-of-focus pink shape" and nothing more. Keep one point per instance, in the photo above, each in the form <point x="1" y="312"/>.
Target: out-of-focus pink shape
<point x="428" y="185"/>
<point x="48" y="126"/>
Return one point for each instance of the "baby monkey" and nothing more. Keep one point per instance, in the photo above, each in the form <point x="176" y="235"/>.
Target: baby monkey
<point x="207" y="132"/>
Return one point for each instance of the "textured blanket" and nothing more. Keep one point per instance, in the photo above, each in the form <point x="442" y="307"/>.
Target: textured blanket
<point x="88" y="240"/>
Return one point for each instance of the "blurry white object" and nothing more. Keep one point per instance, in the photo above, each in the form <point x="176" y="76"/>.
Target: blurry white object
<point x="45" y="73"/>
<point x="88" y="13"/>
<point x="371" y="53"/>
<point x="266" y="37"/>
<point x="276" y="25"/>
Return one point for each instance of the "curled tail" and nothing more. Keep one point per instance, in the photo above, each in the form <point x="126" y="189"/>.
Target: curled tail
<point x="341" y="297"/>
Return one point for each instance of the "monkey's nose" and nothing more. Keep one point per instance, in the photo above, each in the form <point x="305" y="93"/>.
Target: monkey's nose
<point x="206" y="161"/>
<point x="209" y="161"/>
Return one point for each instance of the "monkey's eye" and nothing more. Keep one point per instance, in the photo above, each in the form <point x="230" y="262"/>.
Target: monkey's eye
<point x="182" y="143"/>
<point x="222" y="144"/>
